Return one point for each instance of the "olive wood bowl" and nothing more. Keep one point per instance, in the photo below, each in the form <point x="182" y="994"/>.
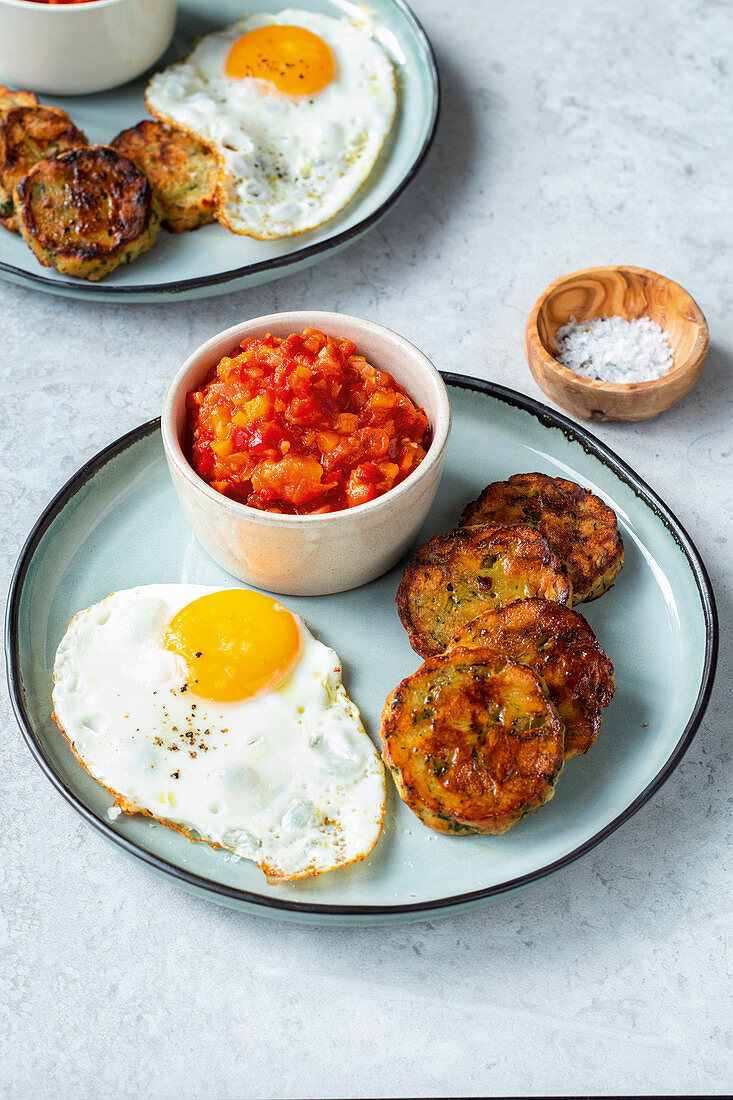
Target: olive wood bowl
<point x="627" y="292"/>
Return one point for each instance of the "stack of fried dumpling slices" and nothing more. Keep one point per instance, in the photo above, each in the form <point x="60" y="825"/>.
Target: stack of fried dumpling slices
<point x="514" y="679"/>
<point x="85" y="209"/>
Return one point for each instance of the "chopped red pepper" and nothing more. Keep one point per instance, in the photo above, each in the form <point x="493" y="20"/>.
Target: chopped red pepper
<point x="304" y="425"/>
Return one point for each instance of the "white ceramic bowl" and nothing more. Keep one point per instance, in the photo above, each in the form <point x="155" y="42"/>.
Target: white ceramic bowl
<point x="310" y="555"/>
<point x="78" y="49"/>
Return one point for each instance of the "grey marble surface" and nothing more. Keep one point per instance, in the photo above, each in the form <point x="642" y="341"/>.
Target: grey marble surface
<point x="572" y="134"/>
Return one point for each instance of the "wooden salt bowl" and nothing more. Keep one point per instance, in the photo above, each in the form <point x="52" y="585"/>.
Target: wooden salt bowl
<point x="627" y="292"/>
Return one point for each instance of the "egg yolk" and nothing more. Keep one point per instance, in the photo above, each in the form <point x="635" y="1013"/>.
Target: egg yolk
<point x="296" y="61"/>
<point x="235" y="644"/>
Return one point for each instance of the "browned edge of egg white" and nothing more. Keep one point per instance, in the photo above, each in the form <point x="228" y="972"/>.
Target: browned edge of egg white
<point x="273" y="876"/>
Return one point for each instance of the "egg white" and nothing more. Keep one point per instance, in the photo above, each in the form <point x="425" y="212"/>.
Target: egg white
<point x="289" y="163"/>
<point x="288" y="779"/>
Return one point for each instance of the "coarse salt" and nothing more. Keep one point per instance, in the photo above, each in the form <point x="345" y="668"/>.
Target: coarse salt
<point x="611" y="349"/>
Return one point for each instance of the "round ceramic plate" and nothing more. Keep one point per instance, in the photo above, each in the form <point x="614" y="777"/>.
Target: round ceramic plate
<point x="212" y="260"/>
<point x="118" y="524"/>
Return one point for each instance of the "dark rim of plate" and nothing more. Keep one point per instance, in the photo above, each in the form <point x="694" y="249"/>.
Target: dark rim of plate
<point x="321" y="248"/>
<point x="547" y="417"/>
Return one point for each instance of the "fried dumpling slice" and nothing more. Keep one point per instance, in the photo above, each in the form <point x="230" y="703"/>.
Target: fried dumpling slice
<point x="580" y="528"/>
<point x="456" y="576"/>
<point x="560" y="646"/>
<point x="472" y="741"/>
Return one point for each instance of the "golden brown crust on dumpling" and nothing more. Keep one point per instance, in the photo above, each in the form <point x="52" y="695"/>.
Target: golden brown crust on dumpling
<point x="472" y="742"/>
<point x="456" y="576"/>
<point x="27" y="136"/>
<point x="87" y="211"/>
<point x="183" y="170"/>
<point x="580" y="528"/>
<point x="560" y="646"/>
<point x="11" y="98"/>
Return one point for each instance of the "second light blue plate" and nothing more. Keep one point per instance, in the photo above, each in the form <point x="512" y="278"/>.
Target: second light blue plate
<point x="212" y="260"/>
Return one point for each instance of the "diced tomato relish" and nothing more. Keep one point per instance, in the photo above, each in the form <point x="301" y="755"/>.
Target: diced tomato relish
<point x="303" y="425"/>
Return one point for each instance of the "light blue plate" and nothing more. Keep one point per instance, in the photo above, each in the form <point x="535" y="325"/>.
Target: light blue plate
<point x="118" y="524"/>
<point x="212" y="260"/>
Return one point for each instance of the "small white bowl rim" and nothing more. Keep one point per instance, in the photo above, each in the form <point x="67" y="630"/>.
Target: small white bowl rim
<point x="307" y="319"/>
<point x="580" y="380"/>
<point x="59" y="8"/>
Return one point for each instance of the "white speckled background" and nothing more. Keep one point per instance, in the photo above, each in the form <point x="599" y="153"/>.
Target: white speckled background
<point x="572" y="134"/>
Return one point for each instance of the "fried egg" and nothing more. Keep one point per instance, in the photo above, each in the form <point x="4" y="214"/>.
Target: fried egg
<point x="218" y="713"/>
<point x="296" y="106"/>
